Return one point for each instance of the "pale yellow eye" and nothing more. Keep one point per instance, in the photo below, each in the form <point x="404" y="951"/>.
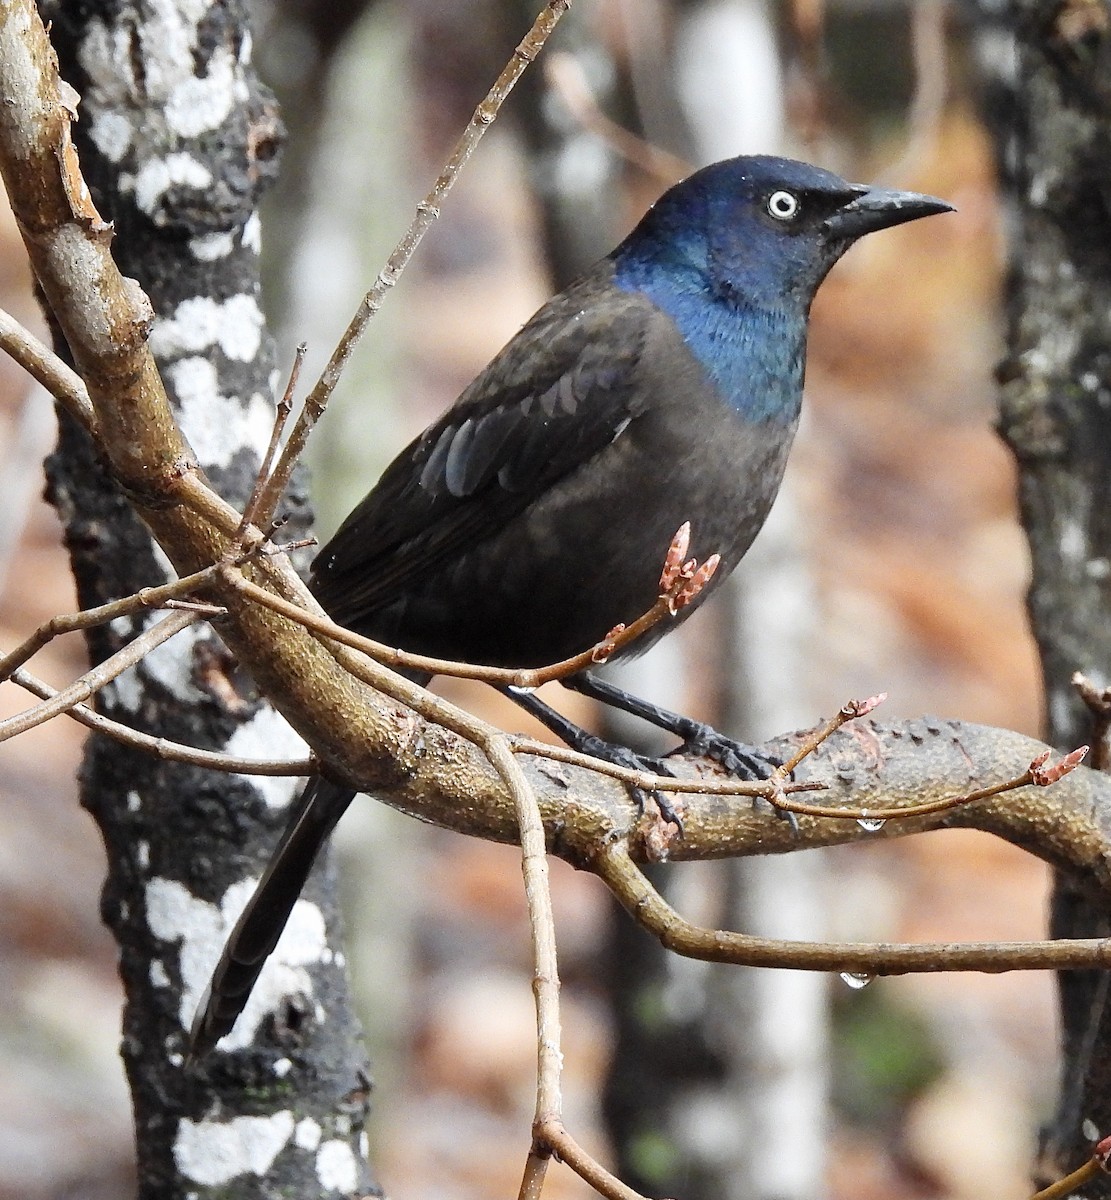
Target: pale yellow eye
<point x="783" y="205"/>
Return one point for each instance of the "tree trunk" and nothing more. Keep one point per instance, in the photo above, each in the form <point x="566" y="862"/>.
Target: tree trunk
<point x="1047" y="71"/>
<point x="177" y="139"/>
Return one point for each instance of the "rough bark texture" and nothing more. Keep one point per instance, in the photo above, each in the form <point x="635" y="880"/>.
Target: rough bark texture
<point x="177" y="139"/>
<point x="1048" y="71"/>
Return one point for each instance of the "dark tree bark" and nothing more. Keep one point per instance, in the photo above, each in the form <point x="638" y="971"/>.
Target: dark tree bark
<point x="177" y="140"/>
<point x="1048" y="97"/>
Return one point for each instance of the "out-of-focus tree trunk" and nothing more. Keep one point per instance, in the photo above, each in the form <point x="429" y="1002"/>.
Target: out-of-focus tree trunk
<point x="177" y="140"/>
<point x="1047" y="75"/>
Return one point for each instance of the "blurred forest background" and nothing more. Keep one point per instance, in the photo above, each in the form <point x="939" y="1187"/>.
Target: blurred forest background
<point x="893" y="561"/>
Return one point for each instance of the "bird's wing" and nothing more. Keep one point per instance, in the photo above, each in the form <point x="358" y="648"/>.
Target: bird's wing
<point x="562" y="390"/>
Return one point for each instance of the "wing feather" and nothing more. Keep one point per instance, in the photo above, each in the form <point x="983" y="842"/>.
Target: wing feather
<point x="561" y="391"/>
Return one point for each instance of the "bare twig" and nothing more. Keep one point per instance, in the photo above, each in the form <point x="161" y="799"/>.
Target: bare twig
<point x="629" y="884"/>
<point x="428" y="210"/>
<point x="163" y="748"/>
<point x="92" y="681"/>
<point x="648" y="782"/>
<point x="1038" y="774"/>
<point x="568" y="80"/>
<point x="555" y="1136"/>
<point x="269" y="483"/>
<point x="165" y="596"/>
<point x="39" y="361"/>
<point x="1098" y="1163"/>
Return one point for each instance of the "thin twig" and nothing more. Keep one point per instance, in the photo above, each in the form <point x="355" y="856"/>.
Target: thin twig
<point x="163" y="748"/>
<point x="648" y="782"/>
<point x="92" y="681"/>
<point x="564" y="1146"/>
<point x="88" y="618"/>
<point x="536" y="1168"/>
<point x="390" y="656"/>
<point x="631" y="887"/>
<point x="1098" y="1163"/>
<point x="1061" y="1188"/>
<point x="538" y="897"/>
<point x="569" y="82"/>
<point x="427" y="212"/>
<point x="267" y="480"/>
<point x="39" y="361"/>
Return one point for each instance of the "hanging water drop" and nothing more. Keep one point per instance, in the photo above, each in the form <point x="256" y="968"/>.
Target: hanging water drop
<point x="870" y="824"/>
<point x="520" y="691"/>
<point x="856" y="980"/>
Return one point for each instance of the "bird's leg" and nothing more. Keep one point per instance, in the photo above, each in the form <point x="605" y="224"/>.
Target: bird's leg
<point x="738" y="758"/>
<point x="586" y="742"/>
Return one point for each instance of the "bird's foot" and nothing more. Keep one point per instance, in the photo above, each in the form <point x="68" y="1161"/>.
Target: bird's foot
<point x="622" y="756"/>
<point x="738" y="758"/>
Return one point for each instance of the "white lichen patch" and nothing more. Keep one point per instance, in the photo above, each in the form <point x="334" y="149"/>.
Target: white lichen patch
<point x="336" y="1168"/>
<point x="211" y="247"/>
<point x="157" y="175"/>
<point x="211" y="1153"/>
<point x="105" y="57"/>
<point x="176" y="916"/>
<point x="269" y="735"/>
<point x="216" y="427"/>
<point x="121" y="626"/>
<point x="125" y="691"/>
<point x="200" y="323"/>
<point x="171" y="664"/>
<point x="200" y="103"/>
<point x="252" y="233"/>
<point x="111" y="135"/>
<point x="308" y="1133"/>
<point x="1073" y="542"/>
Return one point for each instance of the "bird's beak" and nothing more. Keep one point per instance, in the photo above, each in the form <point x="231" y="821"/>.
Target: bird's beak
<point x="879" y="208"/>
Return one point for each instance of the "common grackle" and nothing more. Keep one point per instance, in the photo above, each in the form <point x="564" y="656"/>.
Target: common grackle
<point x="663" y="386"/>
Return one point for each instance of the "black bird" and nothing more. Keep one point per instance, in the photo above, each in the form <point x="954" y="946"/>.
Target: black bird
<point x="663" y="386"/>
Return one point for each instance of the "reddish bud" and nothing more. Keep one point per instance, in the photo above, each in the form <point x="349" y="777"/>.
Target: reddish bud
<point x="697" y="579"/>
<point x="1044" y="775"/>
<point x="861" y="708"/>
<point x="606" y="646"/>
<point x="676" y="552"/>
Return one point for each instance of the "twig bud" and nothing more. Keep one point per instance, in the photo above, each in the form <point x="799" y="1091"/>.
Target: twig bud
<point x="861" y="708"/>
<point x="676" y="552"/>
<point x="698" y="578"/>
<point x="607" y="645"/>
<point x="1043" y="775"/>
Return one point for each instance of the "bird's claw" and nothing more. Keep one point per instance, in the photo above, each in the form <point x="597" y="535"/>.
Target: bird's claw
<point x="737" y="758"/>
<point x="622" y="756"/>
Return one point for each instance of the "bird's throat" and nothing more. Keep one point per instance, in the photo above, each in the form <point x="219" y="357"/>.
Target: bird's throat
<point x="753" y="354"/>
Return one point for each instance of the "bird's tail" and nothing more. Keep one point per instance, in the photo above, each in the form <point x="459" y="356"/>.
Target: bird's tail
<point x="260" y="925"/>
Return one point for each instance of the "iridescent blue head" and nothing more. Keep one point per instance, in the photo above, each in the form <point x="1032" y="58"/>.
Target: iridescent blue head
<point x="752" y="238"/>
<point x="763" y="230"/>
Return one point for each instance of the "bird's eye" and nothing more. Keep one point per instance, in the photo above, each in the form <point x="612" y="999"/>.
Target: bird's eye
<point x="784" y="206"/>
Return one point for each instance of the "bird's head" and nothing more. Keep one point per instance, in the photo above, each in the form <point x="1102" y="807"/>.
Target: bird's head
<point x="763" y="231"/>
